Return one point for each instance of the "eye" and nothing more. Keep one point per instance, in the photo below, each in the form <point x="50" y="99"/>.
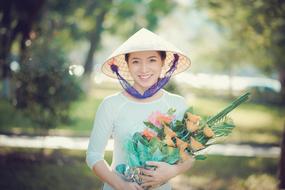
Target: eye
<point x="152" y="60"/>
<point x="135" y="62"/>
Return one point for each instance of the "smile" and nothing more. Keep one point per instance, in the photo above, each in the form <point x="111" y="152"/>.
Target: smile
<point x="145" y="77"/>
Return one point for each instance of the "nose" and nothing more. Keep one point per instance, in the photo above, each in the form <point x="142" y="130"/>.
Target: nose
<point x="144" y="67"/>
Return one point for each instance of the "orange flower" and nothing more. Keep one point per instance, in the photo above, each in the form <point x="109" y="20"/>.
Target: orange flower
<point x="169" y="132"/>
<point x="158" y="119"/>
<point x="191" y="126"/>
<point x="181" y="144"/>
<point x="164" y="118"/>
<point x="184" y="156"/>
<point x="208" y="132"/>
<point x="148" y="134"/>
<point x="169" y="141"/>
<point x="196" y="145"/>
<point x="193" y="118"/>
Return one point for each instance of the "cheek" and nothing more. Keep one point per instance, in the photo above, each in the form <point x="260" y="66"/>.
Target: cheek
<point x="132" y="70"/>
<point x="158" y="69"/>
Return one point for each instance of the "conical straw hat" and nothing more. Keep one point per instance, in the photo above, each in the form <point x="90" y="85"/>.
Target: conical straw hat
<point x="144" y="40"/>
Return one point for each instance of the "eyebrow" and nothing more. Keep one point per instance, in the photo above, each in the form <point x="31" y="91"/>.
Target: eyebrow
<point x="153" y="56"/>
<point x="134" y="58"/>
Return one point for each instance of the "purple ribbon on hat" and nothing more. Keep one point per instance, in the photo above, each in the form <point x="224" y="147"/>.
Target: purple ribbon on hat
<point x="151" y="90"/>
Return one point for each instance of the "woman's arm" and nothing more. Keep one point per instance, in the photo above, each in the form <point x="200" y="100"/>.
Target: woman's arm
<point x="163" y="172"/>
<point x="182" y="167"/>
<point x="101" y="132"/>
<point x="103" y="171"/>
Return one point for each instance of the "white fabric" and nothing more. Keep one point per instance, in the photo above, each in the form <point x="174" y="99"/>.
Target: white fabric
<point x="121" y="117"/>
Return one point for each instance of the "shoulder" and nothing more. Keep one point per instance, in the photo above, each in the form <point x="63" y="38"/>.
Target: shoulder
<point x="174" y="98"/>
<point x="112" y="100"/>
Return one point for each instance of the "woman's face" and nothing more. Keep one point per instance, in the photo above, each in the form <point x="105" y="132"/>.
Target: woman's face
<point x="145" y="68"/>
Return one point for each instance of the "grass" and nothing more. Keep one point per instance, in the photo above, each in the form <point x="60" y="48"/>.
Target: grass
<point x="12" y="120"/>
<point x="223" y="172"/>
<point x="65" y="169"/>
<point x="256" y="124"/>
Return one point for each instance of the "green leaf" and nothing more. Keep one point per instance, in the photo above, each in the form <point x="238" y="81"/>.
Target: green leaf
<point x="171" y="111"/>
<point x="133" y="160"/>
<point x="200" y="157"/>
<point x="152" y="126"/>
<point x="223" y="129"/>
<point x="154" y="144"/>
<point x="172" y="154"/>
<point x="121" y="168"/>
<point x="158" y="156"/>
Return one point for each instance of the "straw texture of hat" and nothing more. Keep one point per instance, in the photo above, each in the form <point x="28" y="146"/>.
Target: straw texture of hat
<point x="144" y="40"/>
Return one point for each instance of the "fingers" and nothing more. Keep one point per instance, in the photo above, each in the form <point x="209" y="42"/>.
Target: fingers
<point x="148" y="184"/>
<point x="138" y="187"/>
<point x="147" y="172"/>
<point x="146" y="178"/>
<point x="153" y="163"/>
<point x="134" y="186"/>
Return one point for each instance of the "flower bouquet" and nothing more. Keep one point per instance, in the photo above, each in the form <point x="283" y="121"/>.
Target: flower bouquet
<point x="168" y="140"/>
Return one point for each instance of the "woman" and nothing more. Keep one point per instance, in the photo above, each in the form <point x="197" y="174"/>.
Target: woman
<point x="148" y="61"/>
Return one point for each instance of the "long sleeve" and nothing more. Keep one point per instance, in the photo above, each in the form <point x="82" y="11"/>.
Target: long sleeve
<point x="101" y="132"/>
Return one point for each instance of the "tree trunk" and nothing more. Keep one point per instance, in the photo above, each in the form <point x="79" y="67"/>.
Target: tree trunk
<point x="25" y="17"/>
<point x="94" y="42"/>
<point x="5" y="41"/>
<point x="282" y="81"/>
<point x="282" y="163"/>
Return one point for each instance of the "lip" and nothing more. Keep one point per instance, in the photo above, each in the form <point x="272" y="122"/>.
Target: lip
<point x="145" y="77"/>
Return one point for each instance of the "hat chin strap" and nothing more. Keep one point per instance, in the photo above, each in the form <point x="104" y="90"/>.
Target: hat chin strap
<point x="151" y="90"/>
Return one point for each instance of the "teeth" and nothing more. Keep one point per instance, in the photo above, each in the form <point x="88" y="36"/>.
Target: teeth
<point x="144" y="76"/>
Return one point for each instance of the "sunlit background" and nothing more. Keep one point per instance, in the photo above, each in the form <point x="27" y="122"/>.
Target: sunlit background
<point x="51" y="53"/>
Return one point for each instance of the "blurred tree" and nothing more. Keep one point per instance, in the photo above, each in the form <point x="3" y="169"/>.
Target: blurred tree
<point x="38" y="34"/>
<point x="85" y="20"/>
<point x="172" y="87"/>
<point x="17" y="21"/>
<point x="122" y="17"/>
<point x="256" y="27"/>
<point x="45" y="88"/>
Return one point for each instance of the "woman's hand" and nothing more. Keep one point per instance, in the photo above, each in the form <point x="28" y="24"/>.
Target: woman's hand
<point x="131" y="186"/>
<point x="160" y="175"/>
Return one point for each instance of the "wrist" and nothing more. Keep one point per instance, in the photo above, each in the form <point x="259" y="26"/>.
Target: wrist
<point x="182" y="167"/>
<point x="120" y="185"/>
<point x="176" y="170"/>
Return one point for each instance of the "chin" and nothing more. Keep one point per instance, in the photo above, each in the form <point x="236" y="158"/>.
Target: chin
<point x="146" y="86"/>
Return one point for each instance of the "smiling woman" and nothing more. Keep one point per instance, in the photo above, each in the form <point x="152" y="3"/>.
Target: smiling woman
<point x="143" y="65"/>
<point x="145" y="68"/>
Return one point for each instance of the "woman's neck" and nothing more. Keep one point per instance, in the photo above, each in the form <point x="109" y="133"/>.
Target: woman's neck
<point x="152" y="98"/>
